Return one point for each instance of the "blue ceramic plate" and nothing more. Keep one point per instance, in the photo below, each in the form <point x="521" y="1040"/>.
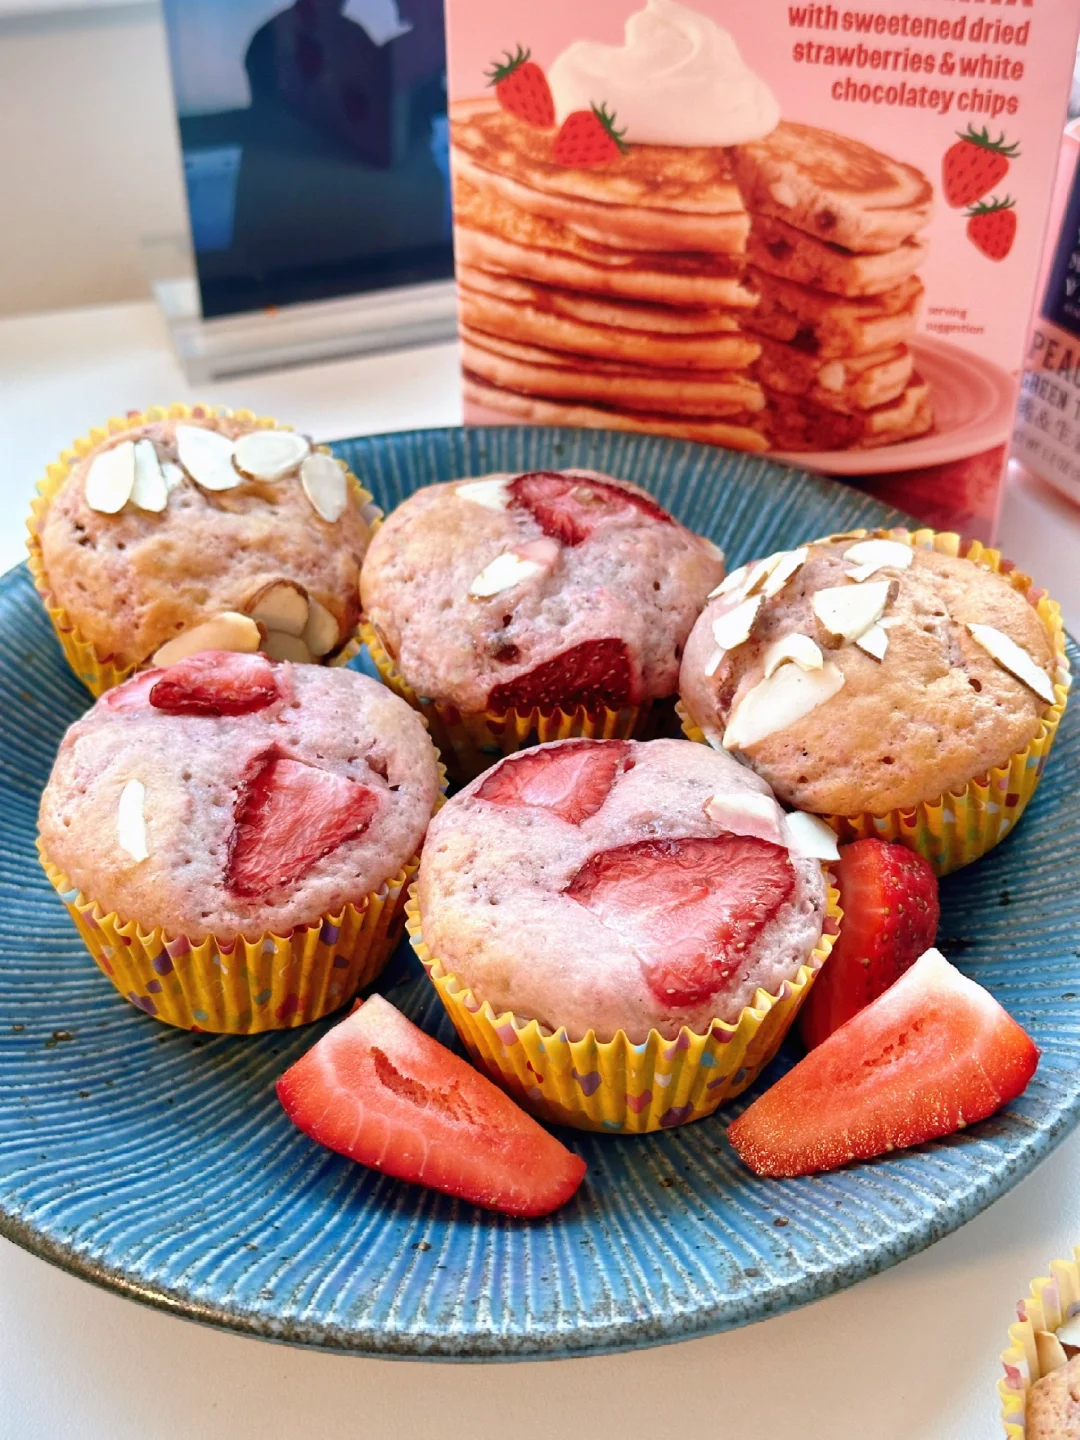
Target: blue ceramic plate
<point x="159" y="1163"/>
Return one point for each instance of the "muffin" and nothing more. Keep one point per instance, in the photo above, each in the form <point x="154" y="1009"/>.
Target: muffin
<point x="1040" y="1390"/>
<point x="1053" y="1404"/>
<point x="233" y="836"/>
<point x="183" y="530"/>
<point x="622" y="930"/>
<point x="538" y="606"/>
<point x="902" y="685"/>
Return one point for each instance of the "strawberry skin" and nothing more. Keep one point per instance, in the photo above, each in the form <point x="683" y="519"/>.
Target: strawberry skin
<point x="991" y="227"/>
<point x="288" y="816"/>
<point x="572" y="779"/>
<point x="889" y="897"/>
<point x="930" y="1055"/>
<point x="570" y="507"/>
<point x="382" y="1092"/>
<point x="521" y="88"/>
<point x="689" y="907"/>
<point x="215" y="682"/>
<point x="593" y="674"/>
<point x="588" y="139"/>
<point x="973" y="165"/>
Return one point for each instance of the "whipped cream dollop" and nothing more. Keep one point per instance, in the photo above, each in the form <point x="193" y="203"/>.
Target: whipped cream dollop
<point x="678" y="79"/>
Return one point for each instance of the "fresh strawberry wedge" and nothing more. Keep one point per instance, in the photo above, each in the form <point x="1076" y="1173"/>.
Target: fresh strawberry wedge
<point x="215" y="682"/>
<point x="889" y="896"/>
<point x="289" y="815"/>
<point x="933" y="1053"/>
<point x="570" y="507"/>
<point x="592" y="674"/>
<point x="377" y="1089"/>
<point x="689" y="907"/>
<point x="572" y="780"/>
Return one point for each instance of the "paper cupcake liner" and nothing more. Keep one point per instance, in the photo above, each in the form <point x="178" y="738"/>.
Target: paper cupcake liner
<point x="1053" y="1299"/>
<point x="472" y="742"/>
<point x="102" y="672"/>
<point x="960" y="826"/>
<point x="616" y="1085"/>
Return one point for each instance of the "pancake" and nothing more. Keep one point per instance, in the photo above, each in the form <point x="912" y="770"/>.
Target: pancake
<point x="534" y="411"/>
<point x="832" y="186"/>
<point x="833" y="328"/>
<point x="855" y="383"/>
<point x="782" y="250"/>
<point x="609" y="329"/>
<point x="796" y="424"/>
<point x="553" y="375"/>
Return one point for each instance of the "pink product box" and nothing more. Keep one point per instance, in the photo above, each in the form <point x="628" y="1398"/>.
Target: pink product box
<point x="804" y="230"/>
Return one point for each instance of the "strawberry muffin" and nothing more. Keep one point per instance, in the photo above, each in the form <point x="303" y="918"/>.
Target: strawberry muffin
<point x="202" y="530"/>
<point x="891" y="683"/>
<point x="619" y="895"/>
<point x="233" y="835"/>
<point x="542" y="605"/>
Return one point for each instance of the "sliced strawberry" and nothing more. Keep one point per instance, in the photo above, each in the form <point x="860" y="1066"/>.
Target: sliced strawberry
<point x="572" y="780"/>
<point x="377" y="1089"/>
<point x="216" y="682"/>
<point x="570" y="507"/>
<point x="289" y="815"/>
<point x="933" y="1053"/>
<point x="592" y="674"/>
<point x="689" y="907"/>
<point x="889" y="897"/>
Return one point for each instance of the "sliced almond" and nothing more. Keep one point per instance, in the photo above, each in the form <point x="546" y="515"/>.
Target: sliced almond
<point x="322" y="633"/>
<point x="785" y="568"/>
<point x="761" y="571"/>
<point x="798" y="648"/>
<point x="512" y="567"/>
<point x="1049" y="1350"/>
<point x="111" y="479"/>
<point x="713" y="663"/>
<point x="780" y="701"/>
<point x="131" y="821"/>
<point x="745" y="812"/>
<point x="325" y="485"/>
<point x="150" y="491"/>
<point x="172" y="474"/>
<point x="270" y="454"/>
<point x="1069" y="1335"/>
<point x="492" y="494"/>
<point x="848" y="611"/>
<point x="279" y="646"/>
<point x="207" y="456"/>
<point x="874" y="641"/>
<point x="282" y="605"/>
<point x="730" y="582"/>
<point x="810" y="837"/>
<point x="712" y="548"/>
<point x="227" y="631"/>
<point x="1015" y="659"/>
<point x="734" y="626"/>
<point x="869" y="556"/>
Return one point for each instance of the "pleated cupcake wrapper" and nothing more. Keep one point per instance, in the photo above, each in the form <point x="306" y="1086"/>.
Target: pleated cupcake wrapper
<point x="1052" y="1300"/>
<point x="102" y="672"/>
<point x="961" y="825"/>
<point x="617" y="1085"/>
<point x="473" y="742"/>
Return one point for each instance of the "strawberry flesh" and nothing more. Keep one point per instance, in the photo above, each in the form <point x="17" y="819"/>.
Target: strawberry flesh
<point x="592" y="674"/>
<point x="215" y="682"/>
<point x="288" y="816"/>
<point x="570" y="507"/>
<point x="933" y="1053"/>
<point x="571" y="780"/>
<point x="889" y="896"/>
<point x="689" y="907"/>
<point x="133" y="694"/>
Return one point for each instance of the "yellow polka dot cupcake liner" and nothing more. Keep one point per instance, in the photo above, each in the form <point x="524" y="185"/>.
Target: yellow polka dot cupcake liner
<point x="473" y="742"/>
<point x="1032" y="1353"/>
<point x="616" y="1085"/>
<point x="961" y="825"/>
<point x="102" y="672"/>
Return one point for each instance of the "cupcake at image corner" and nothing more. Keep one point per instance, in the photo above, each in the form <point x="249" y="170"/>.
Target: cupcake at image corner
<point x="511" y="609"/>
<point x="622" y="931"/>
<point x="233" y="836"/>
<point x="1040" y="1391"/>
<point x="903" y="685"/>
<point x="182" y="530"/>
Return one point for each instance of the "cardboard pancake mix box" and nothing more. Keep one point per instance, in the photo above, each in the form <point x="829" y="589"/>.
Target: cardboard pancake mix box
<point x="804" y="229"/>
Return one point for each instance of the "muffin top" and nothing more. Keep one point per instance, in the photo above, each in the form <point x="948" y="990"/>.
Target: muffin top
<point x="859" y="675"/>
<point x="614" y="885"/>
<point x="228" y="795"/>
<point x="164" y="526"/>
<point x="555" y="588"/>
<point x="1052" y="1408"/>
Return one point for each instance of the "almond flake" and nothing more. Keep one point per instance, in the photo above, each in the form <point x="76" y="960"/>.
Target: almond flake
<point x="150" y="492"/>
<point x="779" y="702"/>
<point x="281" y="606"/>
<point x="761" y="571"/>
<point x="321" y="634"/>
<point x="871" y="556"/>
<point x="172" y="474"/>
<point x="1069" y="1335"/>
<point x="270" y="454"/>
<point x="848" y="611"/>
<point x="789" y="562"/>
<point x="325" y="485"/>
<point x="493" y="494"/>
<point x="712" y="548"/>
<point x="798" y="648"/>
<point x="810" y="837"/>
<point x="207" y="456"/>
<point x="227" y="631"/>
<point x="1050" y="1353"/>
<point x="111" y="479"/>
<point x="733" y="627"/>
<point x="279" y="646"/>
<point x="874" y="641"/>
<point x="745" y="812"/>
<point x="130" y="820"/>
<point x="1015" y="659"/>
<point x="713" y="664"/>
<point x="730" y="582"/>
<point x="505" y="571"/>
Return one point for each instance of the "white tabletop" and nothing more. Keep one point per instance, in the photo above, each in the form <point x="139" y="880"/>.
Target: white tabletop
<point x="912" y="1353"/>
